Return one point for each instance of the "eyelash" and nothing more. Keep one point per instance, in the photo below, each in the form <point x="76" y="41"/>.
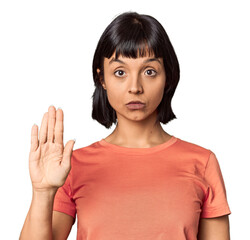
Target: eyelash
<point x="146" y="71"/>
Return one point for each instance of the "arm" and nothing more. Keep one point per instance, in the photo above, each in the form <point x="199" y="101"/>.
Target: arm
<point x="49" y="166"/>
<point x="44" y="223"/>
<point x="38" y="223"/>
<point x="214" y="228"/>
<point x="61" y="225"/>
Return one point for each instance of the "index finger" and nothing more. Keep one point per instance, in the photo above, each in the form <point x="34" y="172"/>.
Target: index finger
<point x="59" y="126"/>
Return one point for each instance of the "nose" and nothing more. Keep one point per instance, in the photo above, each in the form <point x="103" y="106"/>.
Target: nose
<point x="135" y="85"/>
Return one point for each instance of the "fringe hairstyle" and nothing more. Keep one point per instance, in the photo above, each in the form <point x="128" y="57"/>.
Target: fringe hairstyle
<point x="130" y="34"/>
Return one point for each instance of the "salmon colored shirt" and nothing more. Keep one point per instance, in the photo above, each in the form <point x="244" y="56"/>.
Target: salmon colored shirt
<point x="156" y="193"/>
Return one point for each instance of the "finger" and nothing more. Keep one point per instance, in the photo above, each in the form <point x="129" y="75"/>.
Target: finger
<point x="67" y="153"/>
<point x="43" y="129"/>
<point x="59" y="126"/>
<point x="34" y="138"/>
<point x="51" y="123"/>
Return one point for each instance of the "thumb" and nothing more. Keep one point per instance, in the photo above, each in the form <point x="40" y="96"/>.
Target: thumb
<point x="67" y="152"/>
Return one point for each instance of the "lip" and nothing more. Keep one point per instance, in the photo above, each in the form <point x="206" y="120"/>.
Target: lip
<point x="136" y="105"/>
<point x="135" y="102"/>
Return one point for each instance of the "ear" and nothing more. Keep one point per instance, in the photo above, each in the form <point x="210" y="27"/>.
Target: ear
<point x="101" y="78"/>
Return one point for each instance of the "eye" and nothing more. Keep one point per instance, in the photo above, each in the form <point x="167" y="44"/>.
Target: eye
<point x="119" y="73"/>
<point x="149" y="71"/>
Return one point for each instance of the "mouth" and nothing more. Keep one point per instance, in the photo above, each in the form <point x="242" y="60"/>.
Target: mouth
<point x="135" y="105"/>
<point x="135" y="102"/>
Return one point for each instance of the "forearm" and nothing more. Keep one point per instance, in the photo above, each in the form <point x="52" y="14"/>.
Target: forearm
<point x="38" y="223"/>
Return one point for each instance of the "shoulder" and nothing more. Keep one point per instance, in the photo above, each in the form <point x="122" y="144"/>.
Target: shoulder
<point x="84" y="153"/>
<point x="187" y="146"/>
<point x="192" y="151"/>
<point x="87" y="149"/>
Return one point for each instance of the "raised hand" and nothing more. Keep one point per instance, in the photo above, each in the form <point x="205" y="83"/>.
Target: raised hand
<point x="49" y="160"/>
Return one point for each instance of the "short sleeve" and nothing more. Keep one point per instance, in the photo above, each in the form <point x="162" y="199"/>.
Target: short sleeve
<point x="215" y="203"/>
<point x="63" y="201"/>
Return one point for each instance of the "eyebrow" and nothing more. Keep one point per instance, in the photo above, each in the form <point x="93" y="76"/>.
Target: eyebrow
<point x="146" y="61"/>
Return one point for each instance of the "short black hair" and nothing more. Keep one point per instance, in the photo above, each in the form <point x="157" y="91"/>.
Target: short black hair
<point x="130" y="34"/>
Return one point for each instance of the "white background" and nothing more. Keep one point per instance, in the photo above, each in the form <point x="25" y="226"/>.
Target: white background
<point x="46" y="52"/>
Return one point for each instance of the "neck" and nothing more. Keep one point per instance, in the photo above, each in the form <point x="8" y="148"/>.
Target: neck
<point x="145" y="133"/>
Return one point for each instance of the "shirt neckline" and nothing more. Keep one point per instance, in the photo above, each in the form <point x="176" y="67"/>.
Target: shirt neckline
<point x="140" y="151"/>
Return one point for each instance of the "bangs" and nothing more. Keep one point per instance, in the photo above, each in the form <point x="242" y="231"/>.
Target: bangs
<point x="133" y="35"/>
<point x="134" y="41"/>
<point x="134" y="50"/>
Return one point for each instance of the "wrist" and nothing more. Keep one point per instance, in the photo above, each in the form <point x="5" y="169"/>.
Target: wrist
<point x="44" y="193"/>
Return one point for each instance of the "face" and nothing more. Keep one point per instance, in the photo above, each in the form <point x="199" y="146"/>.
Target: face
<point x="127" y="79"/>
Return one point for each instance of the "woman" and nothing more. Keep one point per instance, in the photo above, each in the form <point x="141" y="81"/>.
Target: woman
<point x="139" y="182"/>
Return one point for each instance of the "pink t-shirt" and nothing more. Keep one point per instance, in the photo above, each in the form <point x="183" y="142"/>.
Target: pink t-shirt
<point x="159" y="193"/>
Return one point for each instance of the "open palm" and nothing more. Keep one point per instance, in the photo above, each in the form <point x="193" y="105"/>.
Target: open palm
<point x="49" y="160"/>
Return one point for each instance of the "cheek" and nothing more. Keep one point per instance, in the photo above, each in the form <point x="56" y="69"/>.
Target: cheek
<point x="114" y="92"/>
<point x="114" y="95"/>
<point x="156" y="94"/>
<point x="157" y="98"/>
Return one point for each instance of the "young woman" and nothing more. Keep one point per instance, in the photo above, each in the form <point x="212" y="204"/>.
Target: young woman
<point x="139" y="182"/>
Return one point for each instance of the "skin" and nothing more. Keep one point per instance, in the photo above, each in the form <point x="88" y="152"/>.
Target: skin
<point x="49" y="165"/>
<point x="132" y="80"/>
<point x="49" y="159"/>
<point x="214" y="228"/>
<point x="135" y="80"/>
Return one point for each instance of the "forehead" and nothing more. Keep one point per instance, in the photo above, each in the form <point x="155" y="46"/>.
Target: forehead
<point x="123" y="60"/>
